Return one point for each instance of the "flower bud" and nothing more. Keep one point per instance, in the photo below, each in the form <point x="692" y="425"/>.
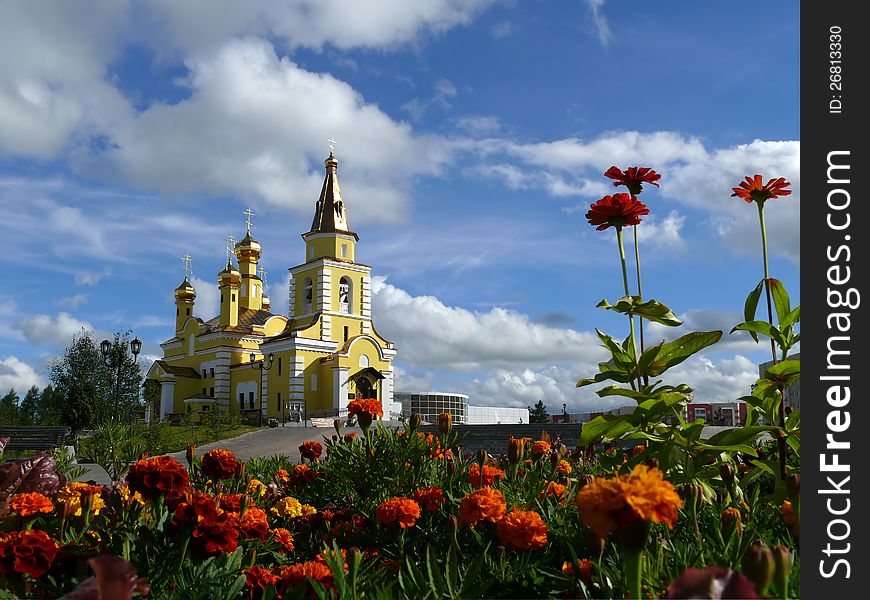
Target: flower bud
<point x="452" y="523"/>
<point x="337" y="425"/>
<point x="545" y="437"/>
<point x="793" y="484"/>
<point x="758" y="565"/>
<point x="782" y="567"/>
<point x="555" y="459"/>
<point x="414" y="421"/>
<point x="445" y="422"/>
<point x="190" y="454"/>
<point x="451" y="467"/>
<point x="481" y="458"/>
<point x="726" y="471"/>
<point x="364" y="419"/>
<point x="638" y="450"/>
<point x="516" y="446"/>
<point x="692" y="494"/>
<point x="240" y="469"/>
<point x="732" y="522"/>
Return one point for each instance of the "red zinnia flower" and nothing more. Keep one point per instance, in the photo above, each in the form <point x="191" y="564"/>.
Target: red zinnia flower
<point x="752" y="189"/>
<point x="633" y="178"/>
<point x="618" y="210"/>
<point x="311" y="450"/>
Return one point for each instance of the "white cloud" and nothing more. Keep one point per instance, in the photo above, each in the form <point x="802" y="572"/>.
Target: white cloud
<point x="55" y="332"/>
<point x="412" y="380"/>
<point x="430" y="334"/>
<point x="706" y="319"/>
<point x="722" y="380"/>
<point x="207" y="305"/>
<point x="74" y="301"/>
<point x="89" y="278"/>
<point x="17" y="374"/>
<point x="598" y="18"/>
<point x="502" y="29"/>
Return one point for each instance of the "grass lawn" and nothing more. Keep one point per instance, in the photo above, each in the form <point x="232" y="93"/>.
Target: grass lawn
<point x="178" y="436"/>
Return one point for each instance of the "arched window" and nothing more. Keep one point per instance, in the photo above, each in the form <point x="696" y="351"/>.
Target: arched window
<point x="363" y="360"/>
<point x="344" y="295"/>
<point x="307" y="296"/>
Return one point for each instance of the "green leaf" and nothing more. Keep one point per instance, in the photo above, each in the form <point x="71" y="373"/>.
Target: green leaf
<point x="783" y="373"/>
<point x="616" y="390"/>
<point x="764" y="328"/>
<point x="737" y="435"/>
<point x="651" y="310"/>
<point x="751" y="306"/>
<point x="780" y="299"/>
<point x="675" y="352"/>
<point x="793" y="421"/>
<point x="604" y="428"/>
<point x="791" y="318"/>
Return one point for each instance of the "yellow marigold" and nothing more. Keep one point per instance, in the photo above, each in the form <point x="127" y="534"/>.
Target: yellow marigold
<point x="485" y="504"/>
<point x="541" y="447"/>
<point x="71" y="496"/>
<point x="607" y="505"/>
<point x="256" y="487"/>
<point x="308" y="510"/>
<point x="564" y="468"/>
<point x="31" y="503"/>
<point x="403" y="511"/>
<point x="130" y="497"/>
<point x="287" y="507"/>
<point x="522" y="530"/>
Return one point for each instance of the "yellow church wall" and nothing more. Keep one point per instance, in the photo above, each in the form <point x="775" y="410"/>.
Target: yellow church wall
<point x="330" y="246"/>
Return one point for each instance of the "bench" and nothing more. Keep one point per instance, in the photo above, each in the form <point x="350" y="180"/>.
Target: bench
<point x="34" y="437"/>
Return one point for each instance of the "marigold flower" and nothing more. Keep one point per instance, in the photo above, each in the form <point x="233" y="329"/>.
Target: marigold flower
<point x="30" y="503"/>
<point x="321" y="558"/>
<point x="293" y="575"/>
<point x="606" y="505"/>
<point x="564" y="468"/>
<point x="485" y="504"/>
<point x="217" y="534"/>
<point x="157" y="476"/>
<point x="219" y="464"/>
<point x="258" y="579"/>
<point x="732" y="520"/>
<point x="445" y="422"/>
<point x="348" y="437"/>
<point x="752" y="189"/>
<point x="490" y="474"/>
<point x="522" y="530"/>
<point x="284" y="538"/>
<point x="287" y="507"/>
<point x="308" y="510"/>
<point x="786" y="511"/>
<point x="281" y="475"/>
<point x="430" y="498"/>
<point x="554" y="489"/>
<point x="254" y="524"/>
<point x="230" y="502"/>
<point x="256" y="487"/>
<point x="369" y="405"/>
<point x="516" y="448"/>
<point x="584" y="567"/>
<point x="73" y="494"/>
<point x="311" y="450"/>
<point x="403" y="511"/>
<point x="618" y="210"/>
<point x="27" y="552"/>
<point x="633" y="178"/>
<point x="540" y="448"/>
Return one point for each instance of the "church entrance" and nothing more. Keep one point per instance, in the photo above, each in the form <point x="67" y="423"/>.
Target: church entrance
<point x="364" y="388"/>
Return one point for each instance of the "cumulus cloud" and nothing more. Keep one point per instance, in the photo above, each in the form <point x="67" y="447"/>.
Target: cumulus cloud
<point x="207" y="305"/>
<point x="722" y="380"/>
<point x="412" y="380"/>
<point x="706" y="319"/>
<point x="74" y="301"/>
<point x="14" y="373"/>
<point x="55" y="332"/>
<point x="431" y="334"/>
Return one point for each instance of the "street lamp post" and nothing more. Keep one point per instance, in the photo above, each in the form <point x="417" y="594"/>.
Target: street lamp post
<point x="261" y="366"/>
<point x="106" y="350"/>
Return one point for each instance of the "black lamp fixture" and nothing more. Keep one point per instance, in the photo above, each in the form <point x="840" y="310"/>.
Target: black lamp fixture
<point x="262" y="366"/>
<point x="106" y="350"/>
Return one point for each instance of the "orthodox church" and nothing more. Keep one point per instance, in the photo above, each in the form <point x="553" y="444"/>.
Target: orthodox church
<point x="307" y="363"/>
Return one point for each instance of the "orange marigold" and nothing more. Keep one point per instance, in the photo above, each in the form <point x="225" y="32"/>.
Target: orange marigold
<point x="786" y="511"/>
<point x="321" y="558"/>
<point x="30" y="504"/>
<point x="293" y="575"/>
<point x="430" y="498"/>
<point x="485" y="504"/>
<point x="403" y="511"/>
<point x="584" y="567"/>
<point x="369" y="405"/>
<point x="490" y="474"/>
<point x="156" y="476"/>
<point x="258" y="579"/>
<point x="254" y="524"/>
<point x="554" y="489"/>
<point x="564" y="468"/>
<point x="522" y="530"/>
<point x="284" y="538"/>
<point x="30" y="552"/>
<point x="219" y="464"/>
<point x="541" y="447"/>
<point x="311" y="450"/>
<point x="607" y="505"/>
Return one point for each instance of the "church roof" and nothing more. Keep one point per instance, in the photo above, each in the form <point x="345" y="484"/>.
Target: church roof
<point x="186" y="372"/>
<point x="294" y="325"/>
<point x="248" y="318"/>
<point x="330" y="216"/>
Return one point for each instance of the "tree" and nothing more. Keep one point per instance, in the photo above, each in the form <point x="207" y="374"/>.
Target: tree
<point x="539" y="413"/>
<point x="29" y="409"/>
<point x="125" y="381"/>
<point x="80" y="384"/>
<point x="9" y="408"/>
<point x="151" y="393"/>
<point x="48" y="410"/>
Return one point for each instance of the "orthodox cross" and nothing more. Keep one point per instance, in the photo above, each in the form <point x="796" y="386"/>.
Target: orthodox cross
<point x="262" y="273"/>
<point x="231" y="246"/>
<point x="248" y="214"/>
<point x="331" y="145"/>
<point x="186" y="260"/>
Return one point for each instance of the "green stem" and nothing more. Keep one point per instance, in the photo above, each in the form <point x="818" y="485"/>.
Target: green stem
<point x="781" y="419"/>
<point x="639" y="291"/>
<point x="625" y="285"/>
<point x="632" y="572"/>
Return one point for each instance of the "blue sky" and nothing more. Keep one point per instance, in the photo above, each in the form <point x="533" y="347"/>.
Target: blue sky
<point x="472" y="137"/>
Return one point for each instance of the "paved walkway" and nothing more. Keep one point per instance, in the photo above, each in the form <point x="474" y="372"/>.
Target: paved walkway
<point x="262" y="442"/>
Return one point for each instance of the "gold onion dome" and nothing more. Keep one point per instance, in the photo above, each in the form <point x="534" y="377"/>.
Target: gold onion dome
<point x="248" y="249"/>
<point x="229" y="273"/>
<point x="185" y="291"/>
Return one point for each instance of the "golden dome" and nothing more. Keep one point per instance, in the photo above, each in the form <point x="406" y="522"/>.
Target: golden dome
<point x="185" y="292"/>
